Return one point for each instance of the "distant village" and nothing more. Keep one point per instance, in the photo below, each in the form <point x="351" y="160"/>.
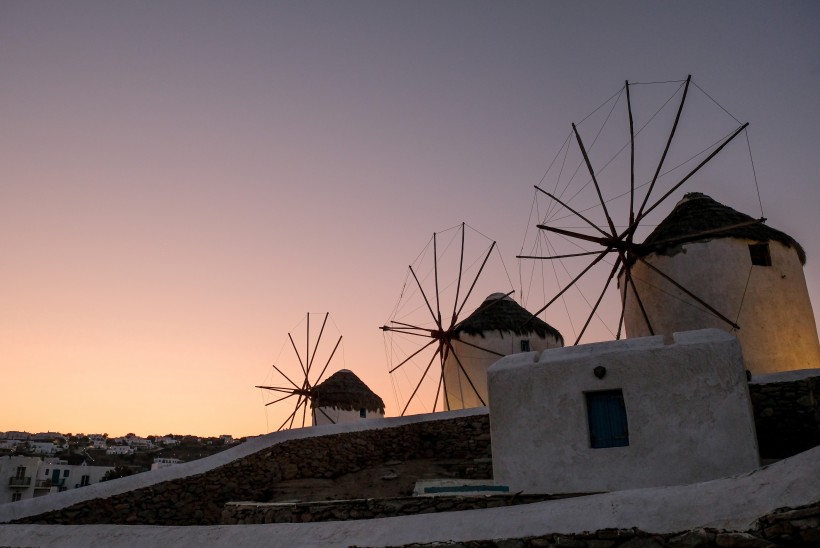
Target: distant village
<point x="51" y="462"/>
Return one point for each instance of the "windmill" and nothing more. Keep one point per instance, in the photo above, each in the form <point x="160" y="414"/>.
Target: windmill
<point x="298" y="389"/>
<point x="432" y="362"/>
<point x="578" y="230"/>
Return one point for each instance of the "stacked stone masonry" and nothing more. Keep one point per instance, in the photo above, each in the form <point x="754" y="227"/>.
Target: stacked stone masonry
<point x="799" y="527"/>
<point x="243" y="513"/>
<point x="787" y="417"/>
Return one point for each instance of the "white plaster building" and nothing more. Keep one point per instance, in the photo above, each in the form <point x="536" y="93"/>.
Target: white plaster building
<point x="343" y="397"/>
<point x="64" y="476"/>
<point x="44" y="447"/>
<point x="497" y="328"/>
<point x="747" y="271"/>
<point x="98" y="441"/>
<point x="18" y="478"/>
<point x="167" y="441"/>
<point x="622" y="414"/>
<point x="28" y="477"/>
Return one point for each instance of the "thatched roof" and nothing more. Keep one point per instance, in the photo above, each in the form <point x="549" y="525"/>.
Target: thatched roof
<point x="346" y="391"/>
<point x="500" y="313"/>
<point x="697" y="213"/>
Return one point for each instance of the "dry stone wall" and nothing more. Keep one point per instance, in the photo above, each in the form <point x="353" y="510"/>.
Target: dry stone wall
<point x="243" y="513"/>
<point x="787" y="417"/>
<point x="199" y="500"/>
<point x="785" y="527"/>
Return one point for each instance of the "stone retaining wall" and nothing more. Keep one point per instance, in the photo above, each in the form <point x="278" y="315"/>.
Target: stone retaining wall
<point x="199" y="500"/>
<point x="787" y="417"/>
<point x="243" y="513"/>
<point x="784" y="527"/>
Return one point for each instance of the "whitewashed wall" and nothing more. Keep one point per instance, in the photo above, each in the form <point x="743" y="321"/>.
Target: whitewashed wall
<point x="687" y="405"/>
<point x="340" y="416"/>
<point x="777" y="327"/>
<point x="460" y="395"/>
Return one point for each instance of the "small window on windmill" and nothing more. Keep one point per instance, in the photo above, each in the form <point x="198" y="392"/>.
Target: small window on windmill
<point x="760" y="254"/>
<point x="606" y="414"/>
<point x="363" y="413"/>
<point x="525" y="345"/>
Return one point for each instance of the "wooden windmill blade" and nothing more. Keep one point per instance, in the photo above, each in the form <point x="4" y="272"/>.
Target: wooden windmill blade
<point x="299" y="374"/>
<point x="430" y="362"/>
<point x="424" y="331"/>
<point x="589" y="233"/>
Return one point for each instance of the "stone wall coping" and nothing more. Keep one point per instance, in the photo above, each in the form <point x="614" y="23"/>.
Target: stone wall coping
<point x="785" y="376"/>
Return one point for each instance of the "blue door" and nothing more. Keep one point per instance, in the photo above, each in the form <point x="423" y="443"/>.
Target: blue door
<point x="607" y="419"/>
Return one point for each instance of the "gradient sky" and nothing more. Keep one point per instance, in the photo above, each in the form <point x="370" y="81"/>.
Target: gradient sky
<point x="181" y="182"/>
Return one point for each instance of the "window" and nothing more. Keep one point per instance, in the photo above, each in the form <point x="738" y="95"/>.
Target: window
<point x="85" y="480"/>
<point x="760" y="254"/>
<point x="20" y="473"/>
<point x="16" y="496"/>
<point x="606" y="414"/>
<point x="363" y="413"/>
<point x="525" y="345"/>
<point x="65" y="473"/>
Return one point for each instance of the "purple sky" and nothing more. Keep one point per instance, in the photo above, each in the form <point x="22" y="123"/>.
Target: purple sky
<point x="180" y="182"/>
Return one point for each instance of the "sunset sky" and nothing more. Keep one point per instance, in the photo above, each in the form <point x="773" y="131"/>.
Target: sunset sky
<point x="181" y="182"/>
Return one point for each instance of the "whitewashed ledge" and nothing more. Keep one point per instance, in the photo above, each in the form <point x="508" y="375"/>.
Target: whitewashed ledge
<point x="11" y="511"/>
<point x="729" y="503"/>
<point x="785" y="376"/>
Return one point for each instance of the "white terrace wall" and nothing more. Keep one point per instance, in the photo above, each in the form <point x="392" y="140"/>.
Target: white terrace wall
<point x="687" y="407"/>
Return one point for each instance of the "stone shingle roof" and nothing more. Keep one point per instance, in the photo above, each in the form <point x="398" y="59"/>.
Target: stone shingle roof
<point x="697" y="213"/>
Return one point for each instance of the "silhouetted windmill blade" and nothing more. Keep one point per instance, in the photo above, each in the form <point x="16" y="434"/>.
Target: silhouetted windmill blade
<point x="283" y="398"/>
<point x="666" y="148"/>
<point x="332" y="353"/>
<point x="434" y="284"/>
<point x="606" y="236"/>
<point x="286" y="390"/>
<point x="305" y="365"/>
<point x="612" y="274"/>
<point x="464" y="372"/>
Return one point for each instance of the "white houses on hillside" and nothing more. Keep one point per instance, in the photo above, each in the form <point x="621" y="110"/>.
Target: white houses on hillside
<point x="497" y="328"/>
<point x="747" y="271"/>
<point x="343" y="397"/>
<point x="28" y="477"/>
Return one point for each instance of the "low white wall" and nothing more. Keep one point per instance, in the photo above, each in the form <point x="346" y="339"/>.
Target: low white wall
<point x="731" y="503"/>
<point x="687" y="405"/>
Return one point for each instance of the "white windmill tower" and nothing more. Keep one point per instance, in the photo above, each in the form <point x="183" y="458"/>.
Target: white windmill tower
<point x="343" y="397"/>
<point x="707" y="265"/>
<point x="497" y="328"/>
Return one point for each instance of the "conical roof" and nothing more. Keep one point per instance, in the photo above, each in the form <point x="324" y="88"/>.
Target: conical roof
<point x="344" y="390"/>
<point x="697" y="213"/>
<point x="499" y="312"/>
